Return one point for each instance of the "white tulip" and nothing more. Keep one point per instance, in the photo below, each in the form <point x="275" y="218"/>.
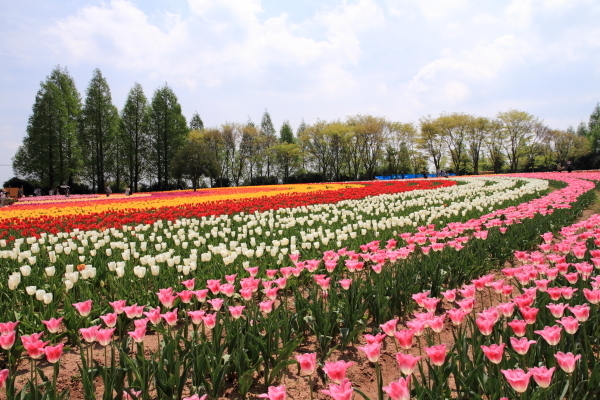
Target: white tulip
<point x="120" y="271"/>
<point x="48" y="298"/>
<point x="68" y="284"/>
<point x="25" y="270"/>
<point x="155" y="270"/>
<point x="30" y="290"/>
<point x="50" y="271"/>
<point x="39" y="294"/>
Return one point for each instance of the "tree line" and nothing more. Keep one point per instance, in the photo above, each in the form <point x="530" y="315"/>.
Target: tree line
<point x="149" y="145"/>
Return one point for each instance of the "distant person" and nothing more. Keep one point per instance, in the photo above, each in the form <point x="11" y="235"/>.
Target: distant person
<point x="107" y="190"/>
<point x="20" y="193"/>
<point x="37" y="192"/>
<point x="67" y="192"/>
<point x="2" y="198"/>
<point x="559" y="167"/>
<point x="50" y="192"/>
<point x="569" y="166"/>
<point x="127" y="191"/>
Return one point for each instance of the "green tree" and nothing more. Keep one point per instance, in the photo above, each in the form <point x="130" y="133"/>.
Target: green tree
<point x="286" y="133"/>
<point x="454" y="129"/>
<point x="194" y="160"/>
<point x="98" y="127"/>
<point x="477" y="133"/>
<point x="196" y="123"/>
<point x="168" y="132"/>
<point x="265" y="140"/>
<point x="50" y="153"/>
<point x="431" y="141"/>
<point x="134" y="135"/>
<point x="518" y="128"/>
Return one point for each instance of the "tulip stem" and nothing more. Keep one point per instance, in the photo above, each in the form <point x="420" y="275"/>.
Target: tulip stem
<point x="379" y="381"/>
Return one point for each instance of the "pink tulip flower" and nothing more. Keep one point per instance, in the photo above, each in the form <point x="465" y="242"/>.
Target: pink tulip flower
<point x="118" y="305"/>
<point x="457" y="316"/>
<point x="8" y="327"/>
<point x="213" y="285"/>
<point x="405" y="338"/>
<point x="379" y="338"/>
<point x="35" y="349"/>
<point x="236" y="311"/>
<point x="450" y="295"/>
<point x="343" y="391"/>
<point x="196" y="316"/>
<point x="399" y="390"/>
<point x="266" y="306"/>
<point x="571" y="324"/>
<point x="189" y="284"/>
<point x="466" y="304"/>
<point x="210" y="320"/>
<point x="133" y="311"/>
<point x="336" y="371"/>
<point x="437" y="354"/>
<point x="345" y="283"/>
<point x="110" y="319"/>
<point x="551" y="334"/>
<point x="568" y="292"/>
<point x="185" y="296"/>
<point x="216" y="303"/>
<point x="170" y="317"/>
<point x="518" y="326"/>
<point x="196" y="397"/>
<point x="407" y="362"/>
<point x="494" y="352"/>
<point x="567" y="361"/>
<point x="593" y="296"/>
<point x="417" y="326"/>
<point x="54" y="353"/>
<point x="138" y="335"/>
<point x="436" y="323"/>
<point x="542" y="375"/>
<point x="227" y="289"/>
<point x="557" y="310"/>
<point x="272" y="293"/>
<point x="201" y="295"/>
<point x="372" y="351"/>
<point x="153" y="315"/>
<point x="517" y="378"/>
<point x="141" y="323"/>
<point x="253" y="271"/>
<point x="485" y="325"/>
<point x="7" y="341"/>
<point x="389" y="327"/>
<point x="3" y="377"/>
<point x="84" y="308"/>
<point x="521" y="346"/>
<point x="274" y="393"/>
<point x="555" y="293"/>
<point x="53" y="324"/>
<point x="166" y="297"/>
<point x="308" y="363"/>
<point x="89" y="334"/>
<point x="104" y="336"/>
<point x="507" y="309"/>
<point x="581" y="312"/>
<point x="529" y="314"/>
<point x="418" y="297"/>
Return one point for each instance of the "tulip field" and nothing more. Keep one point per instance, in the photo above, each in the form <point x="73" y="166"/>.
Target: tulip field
<point x="472" y="288"/>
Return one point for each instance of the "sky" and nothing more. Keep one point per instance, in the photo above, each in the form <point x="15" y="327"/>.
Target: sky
<point x="230" y="60"/>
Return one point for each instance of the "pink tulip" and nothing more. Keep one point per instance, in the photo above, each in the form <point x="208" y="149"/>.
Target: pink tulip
<point x="89" y="334"/>
<point x="417" y="326"/>
<point x="449" y="295"/>
<point x="253" y="271"/>
<point x="567" y="361"/>
<point x="227" y="289"/>
<point x="345" y="283"/>
<point x="529" y="314"/>
<point x="141" y="323"/>
<point x="572" y="277"/>
<point x="582" y="312"/>
<point x="185" y="296"/>
<point x="236" y="311"/>
<point x="507" y="309"/>
<point x="196" y="397"/>
<point x="568" y="292"/>
<point x="405" y="338"/>
<point x="196" y="316"/>
<point x="521" y="346"/>
<point x="35" y="349"/>
<point x="419" y="297"/>
<point x="131" y="394"/>
<point x="3" y="377"/>
<point x="399" y="390"/>
<point x="166" y="297"/>
<point x="517" y="378"/>
<point x="468" y="291"/>
<point x="54" y="353"/>
<point x="523" y="301"/>
<point x="407" y="362"/>
<point x="308" y="363"/>
<point x="210" y="320"/>
<point x="246" y="294"/>
<point x="466" y="304"/>
<point x="271" y="273"/>
<point x="53" y="324"/>
<point x="542" y="375"/>
<point x="213" y="285"/>
<point x="336" y="371"/>
<point x="118" y="305"/>
<point x="555" y="293"/>
<point x="518" y="326"/>
<point x="593" y="296"/>
<point x="266" y="306"/>
<point x="8" y="327"/>
<point x="104" y="336"/>
<point x="133" y="311"/>
<point x="372" y="351"/>
<point x="110" y="319"/>
<point x="437" y="354"/>
<point x="272" y="293"/>
<point x="485" y="325"/>
<point x="494" y="352"/>
<point x="379" y="338"/>
<point x="343" y="391"/>
<point x="571" y="324"/>
<point x="389" y="327"/>
<point x="457" y="316"/>
<point x="216" y="303"/>
<point x="557" y="310"/>
<point x="274" y="393"/>
<point x="31" y="338"/>
<point x="201" y="295"/>
<point x="138" y="335"/>
<point x="436" y="323"/>
<point x="170" y="317"/>
<point x="84" y="308"/>
<point x="8" y="340"/>
<point x="430" y="304"/>
<point x="153" y="315"/>
<point x="551" y="334"/>
<point x="189" y="284"/>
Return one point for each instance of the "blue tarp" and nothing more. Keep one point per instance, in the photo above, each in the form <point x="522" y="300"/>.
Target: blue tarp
<point x="407" y="176"/>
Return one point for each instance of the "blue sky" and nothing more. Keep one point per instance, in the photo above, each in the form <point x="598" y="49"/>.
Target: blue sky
<point x="232" y="59"/>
